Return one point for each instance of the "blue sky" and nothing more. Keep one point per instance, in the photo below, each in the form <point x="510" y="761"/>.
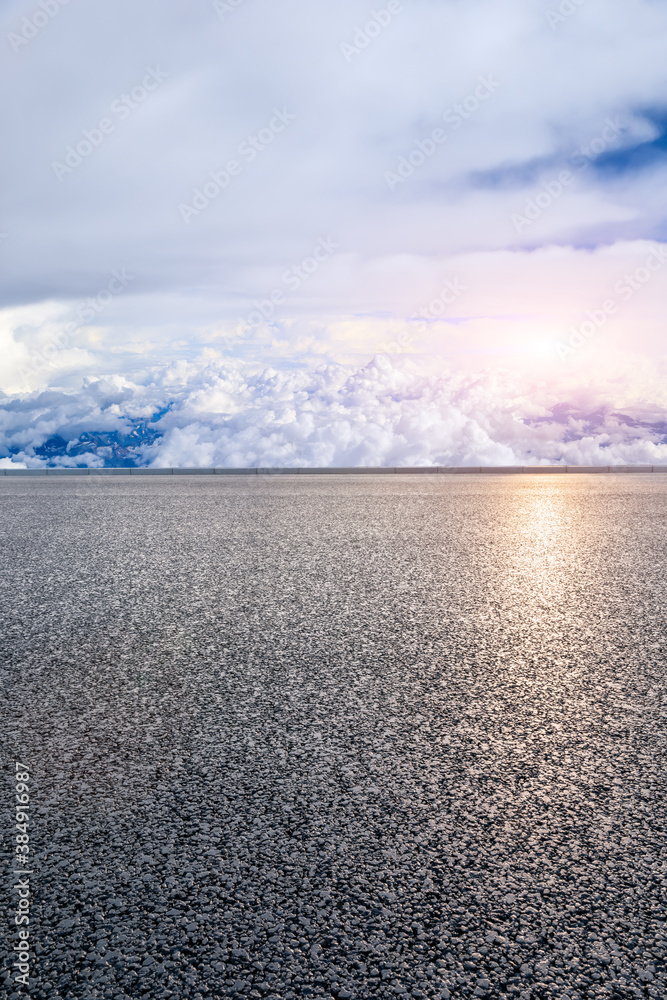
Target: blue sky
<point x="197" y="194"/>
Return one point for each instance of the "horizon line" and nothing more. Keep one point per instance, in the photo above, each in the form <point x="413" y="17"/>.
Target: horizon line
<point x="338" y="470"/>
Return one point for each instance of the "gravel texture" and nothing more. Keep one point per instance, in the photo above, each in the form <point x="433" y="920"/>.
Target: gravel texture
<point x="339" y="737"/>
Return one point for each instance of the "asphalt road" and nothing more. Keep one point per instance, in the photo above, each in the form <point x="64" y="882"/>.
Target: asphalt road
<point x="338" y="737"/>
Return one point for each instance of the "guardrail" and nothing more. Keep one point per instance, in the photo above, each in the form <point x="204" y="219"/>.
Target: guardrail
<point x="366" y="471"/>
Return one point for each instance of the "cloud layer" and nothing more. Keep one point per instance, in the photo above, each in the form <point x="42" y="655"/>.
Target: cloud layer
<point x="384" y="414"/>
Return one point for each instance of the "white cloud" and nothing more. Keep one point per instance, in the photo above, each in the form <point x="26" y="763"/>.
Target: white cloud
<point x="384" y="413"/>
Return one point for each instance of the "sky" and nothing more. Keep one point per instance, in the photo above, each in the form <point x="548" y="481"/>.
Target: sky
<point x="243" y="233"/>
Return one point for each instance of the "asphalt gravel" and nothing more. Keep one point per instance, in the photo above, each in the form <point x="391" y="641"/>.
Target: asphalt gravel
<point x="338" y="737"/>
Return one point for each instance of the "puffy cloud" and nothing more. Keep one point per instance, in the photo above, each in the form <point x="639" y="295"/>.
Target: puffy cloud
<point x="385" y="413"/>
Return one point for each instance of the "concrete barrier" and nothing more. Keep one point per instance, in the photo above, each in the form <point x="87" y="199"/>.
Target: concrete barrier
<point x="502" y="469"/>
<point x="275" y="472"/>
<point x="417" y="470"/>
<point x="235" y="472"/>
<point x="151" y="472"/>
<point x="67" y="472"/>
<point x="192" y="472"/>
<point x="121" y="471"/>
<point x="496" y="470"/>
<point x="545" y="469"/>
<point x="460" y="470"/>
<point x="23" y="472"/>
<point x="588" y="468"/>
